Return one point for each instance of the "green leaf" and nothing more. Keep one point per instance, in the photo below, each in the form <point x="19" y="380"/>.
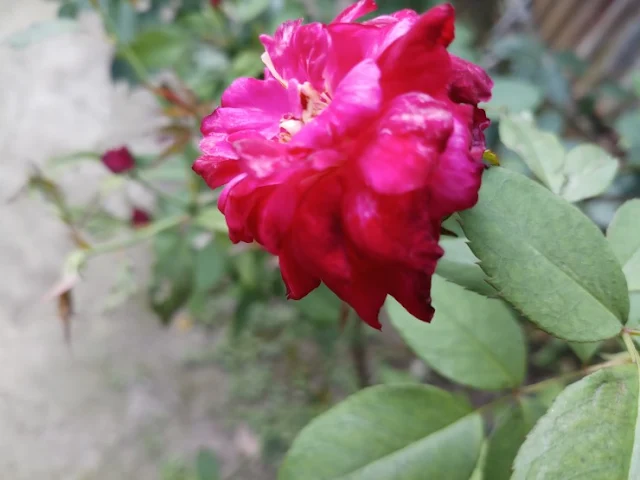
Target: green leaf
<point x="321" y="305"/>
<point x="212" y="219"/>
<point x="172" y="277"/>
<point x="511" y="95"/>
<point x="546" y="258"/>
<point x="207" y="465"/>
<point x="541" y="151"/>
<point x="389" y="432"/>
<point x="160" y="47"/>
<point x="245" y="11"/>
<point x="39" y="32"/>
<point x="209" y="267"/>
<point x="510" y="431"/>
<point x="459" y="265"/>
<point x="478" y="473"/>
<point x="246" y="64"/>
<point x="592" y="431"/>
<point x="586" y="350"/>
<point x="628" y="125"/>
<point x="589" y="171"/>
<point x="472" y="340"/>
<point x="624" y="237"/>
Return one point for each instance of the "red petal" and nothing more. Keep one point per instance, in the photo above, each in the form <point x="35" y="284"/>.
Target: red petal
<point x="216" y="171"/>
<point x="298" y="281"/>
<point x="419" y="61"/>
<point x="412" y="289"/>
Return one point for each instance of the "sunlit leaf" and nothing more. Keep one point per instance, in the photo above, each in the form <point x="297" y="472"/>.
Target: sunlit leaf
<point x="624" y="237"/>
<point x="541" y="151"/>
<point x="589" y="171"/>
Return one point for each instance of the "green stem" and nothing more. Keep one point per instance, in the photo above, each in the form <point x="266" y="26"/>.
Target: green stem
<point x="357" y="347"/>
<point x="139" y="236"/>
<point x="156" y="191"/>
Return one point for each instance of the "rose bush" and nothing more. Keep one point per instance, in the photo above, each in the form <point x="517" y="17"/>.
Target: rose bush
<point x="352" y="152"/>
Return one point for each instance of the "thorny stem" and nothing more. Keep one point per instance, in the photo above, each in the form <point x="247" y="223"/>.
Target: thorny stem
<point x="141" y="235"/>
<point x="357" y="347"/>
<point x="156" y="191"/>
<point x="536" y="387"/>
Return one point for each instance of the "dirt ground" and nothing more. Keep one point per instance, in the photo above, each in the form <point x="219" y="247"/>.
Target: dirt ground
<point x="120" y="403"/>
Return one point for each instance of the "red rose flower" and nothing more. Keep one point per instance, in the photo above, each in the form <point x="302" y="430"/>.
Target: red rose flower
<point x="344" y="161"/>
<point x="139" y="218"/>
<point x="118" y="160"/>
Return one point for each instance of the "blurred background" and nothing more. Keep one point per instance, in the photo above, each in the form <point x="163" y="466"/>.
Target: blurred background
<point x="135" y="340"/>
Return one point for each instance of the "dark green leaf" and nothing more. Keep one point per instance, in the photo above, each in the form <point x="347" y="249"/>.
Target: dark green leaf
<point x="321" y="305"/>
<point x="210" y="267"/>
<point x="161" y="47"/>
<point x="472" y="340"/>
<point x="173" y="274"/>
<point x="510" y="431"/>
<point x="389" y="432"/>
<point x="591" y="432"/>
<point x="207" y="465"/>
<point x="534" y="248"/>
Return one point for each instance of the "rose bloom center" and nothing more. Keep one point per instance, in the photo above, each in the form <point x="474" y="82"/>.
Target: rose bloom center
<point x="312" y="101"/>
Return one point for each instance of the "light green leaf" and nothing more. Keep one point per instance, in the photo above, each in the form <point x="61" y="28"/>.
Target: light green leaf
<point x="389" y="432"/>
<point x="472" y="340"/>
<point x="212" y="219"/>
<point x="459" y="265"/>
<point x="546" y="258"/>
<point x="591" y="432"/>
<point x="512" y="426"/>
<point x="39" y="32"/>
<point x="628" y="125"/>
<point x="161" y="47"/>
<point x="541" y="151"/>
<point x="245" y="11"/>
<point x="624" y="237"/>
<point x="246" y="64"/>
<point x="510" y="95"/>
<point x="589" y="171"/>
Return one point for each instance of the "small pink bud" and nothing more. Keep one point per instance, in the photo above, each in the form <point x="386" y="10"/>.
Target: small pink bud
<point x="118" y="160"/>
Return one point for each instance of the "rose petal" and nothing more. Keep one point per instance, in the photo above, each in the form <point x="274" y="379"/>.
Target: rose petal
<point x="355" y="11"/>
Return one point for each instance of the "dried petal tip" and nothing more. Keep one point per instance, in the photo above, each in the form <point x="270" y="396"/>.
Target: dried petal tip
<point x="118" y="160"/>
